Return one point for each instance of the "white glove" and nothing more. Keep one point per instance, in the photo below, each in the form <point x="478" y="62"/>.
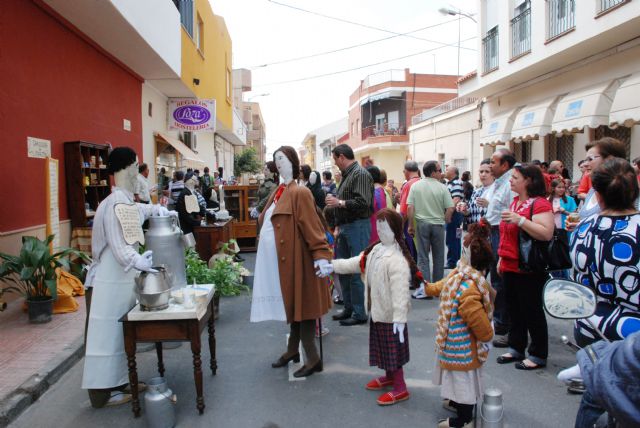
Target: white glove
<point x="144" y="262"/>
<point x="571" y="373"/>
<point x="254" y="213"/>
<point x="398" y="327"/>
<point x="322" y="267"/>
<point x="313" y="177"/>
<point x="159" y="211"/>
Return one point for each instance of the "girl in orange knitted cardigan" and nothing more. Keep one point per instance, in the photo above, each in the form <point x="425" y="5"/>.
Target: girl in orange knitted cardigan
<point x="464" y="327"/>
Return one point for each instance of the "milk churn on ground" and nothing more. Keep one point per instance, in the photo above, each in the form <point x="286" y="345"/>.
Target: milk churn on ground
<point x="164" y="238"/>
<point x="492" y="410"/>
<point x="159" y="404"/>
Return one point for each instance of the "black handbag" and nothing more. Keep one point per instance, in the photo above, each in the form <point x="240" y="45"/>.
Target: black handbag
<point x="559" y="257"/>
<point x="534" y="254"/>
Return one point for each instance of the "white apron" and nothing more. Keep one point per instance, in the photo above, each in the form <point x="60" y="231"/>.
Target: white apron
<point x="105" y="362"/>
<point x="266" y="301"/>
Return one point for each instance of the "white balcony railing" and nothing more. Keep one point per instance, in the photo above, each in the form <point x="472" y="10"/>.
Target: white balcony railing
<point x="450" y="105"/>
<point x="490" y="51"/>
<point x="561" y="16"/>
<point x="382" y="77"/>
<point x="608" y="4"/>
<point x="521" y="33"/>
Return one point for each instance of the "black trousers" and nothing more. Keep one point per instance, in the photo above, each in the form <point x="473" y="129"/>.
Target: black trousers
<point x="524" y="305"/>
<point x="305" y="332"/>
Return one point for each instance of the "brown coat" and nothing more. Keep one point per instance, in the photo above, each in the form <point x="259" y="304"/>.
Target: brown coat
<point x="300" y="239"/>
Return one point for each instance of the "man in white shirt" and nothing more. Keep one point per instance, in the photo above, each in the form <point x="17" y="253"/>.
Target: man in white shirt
<point x="141" y="193"/>
<point x="498" y="198"/>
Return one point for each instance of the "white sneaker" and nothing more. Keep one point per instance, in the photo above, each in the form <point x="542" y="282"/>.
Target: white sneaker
<point x="419" y="294"/>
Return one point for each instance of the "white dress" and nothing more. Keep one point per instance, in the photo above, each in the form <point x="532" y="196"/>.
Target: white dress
<point x="267" y="303"/>
<point x="464" y="387"/>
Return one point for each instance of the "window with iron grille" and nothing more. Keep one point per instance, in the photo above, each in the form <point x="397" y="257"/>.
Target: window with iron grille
<point x="621" y="133"/>
<point x="561" y="17"/>
<point x="608" y="4"/>
<point x="561" y="148"/>
<point x="490" y="50"/>
<point x="185" y="7"/>
<point x="522" y="151"/>
<point x="521" y="30"/>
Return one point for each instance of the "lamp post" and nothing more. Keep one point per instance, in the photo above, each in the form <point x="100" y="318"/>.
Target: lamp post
<point x="459" y="13"/>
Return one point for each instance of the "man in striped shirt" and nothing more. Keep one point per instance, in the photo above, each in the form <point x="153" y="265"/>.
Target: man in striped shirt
<point x="453" y="235"/>
<point x="351" y="208"/>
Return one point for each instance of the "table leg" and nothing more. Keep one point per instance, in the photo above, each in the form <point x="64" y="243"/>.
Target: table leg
<point x="160" y="362"/>
<point x="130" y="349"/>
<point x="213" y="364"/>
<point x="197" y="364"/>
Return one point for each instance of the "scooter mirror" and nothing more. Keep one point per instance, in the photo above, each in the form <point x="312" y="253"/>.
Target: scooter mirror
<point x="566" y="299"/>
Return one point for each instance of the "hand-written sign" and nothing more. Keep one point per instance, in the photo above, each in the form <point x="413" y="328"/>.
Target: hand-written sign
<point x="129" y="219"/>
<point x="38" y="148"/>
<point x="191" y="204"/>
<point x="51" y="194"/>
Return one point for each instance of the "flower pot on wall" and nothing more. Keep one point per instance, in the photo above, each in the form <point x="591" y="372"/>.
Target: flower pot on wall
<point x="40" y="309"/>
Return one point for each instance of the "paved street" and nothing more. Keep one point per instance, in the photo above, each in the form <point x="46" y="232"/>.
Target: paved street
<point x="247" y="392"/>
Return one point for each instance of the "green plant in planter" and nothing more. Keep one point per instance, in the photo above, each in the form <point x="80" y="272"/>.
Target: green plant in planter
<point x="224" y="273"/>
<point x="32" y="272"/>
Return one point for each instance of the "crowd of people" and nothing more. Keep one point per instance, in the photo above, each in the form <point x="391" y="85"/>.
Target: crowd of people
<point x="388" y="241"/>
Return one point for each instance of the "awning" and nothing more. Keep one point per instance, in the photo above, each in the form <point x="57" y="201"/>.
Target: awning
<point x="625" y="110"/>
<point x="498" y="129"/>
<point x="585" y="107"/>
<point x="188" y="156"/>
<point x="534" y="120"/>
<point x="393" y="93"/>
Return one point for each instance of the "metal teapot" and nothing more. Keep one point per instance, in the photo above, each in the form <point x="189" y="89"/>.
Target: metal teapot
<point x="154" y="289"/>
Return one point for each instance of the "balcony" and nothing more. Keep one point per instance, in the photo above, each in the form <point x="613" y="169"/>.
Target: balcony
<point x="384" y="130"/>
<point x="521" y="34"/>
<point x="561" y="17"/>
<point x="605" y="5"/>
<point x="451" y="105"/>
<point x="490" y="51"/>
<point x="383" y="77"/>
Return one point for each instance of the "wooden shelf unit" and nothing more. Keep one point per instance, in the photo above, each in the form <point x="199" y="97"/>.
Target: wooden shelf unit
<point x="78" y="167"/>
<point x="239" y="201"/>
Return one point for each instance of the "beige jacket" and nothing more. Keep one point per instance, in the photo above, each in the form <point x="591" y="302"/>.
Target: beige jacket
<point x="386" y="282"/>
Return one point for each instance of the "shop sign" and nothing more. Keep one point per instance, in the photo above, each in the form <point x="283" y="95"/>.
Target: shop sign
<point x="191" y="114"/>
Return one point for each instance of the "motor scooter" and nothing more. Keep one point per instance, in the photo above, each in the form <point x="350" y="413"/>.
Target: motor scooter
<point x="566" y="299"/>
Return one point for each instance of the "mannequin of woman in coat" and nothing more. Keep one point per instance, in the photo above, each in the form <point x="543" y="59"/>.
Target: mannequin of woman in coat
<point x="292" y="245"/>
<point x="110" y="283"/>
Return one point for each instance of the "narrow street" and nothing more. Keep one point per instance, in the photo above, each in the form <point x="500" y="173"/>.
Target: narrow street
<point x="248" y="393"/>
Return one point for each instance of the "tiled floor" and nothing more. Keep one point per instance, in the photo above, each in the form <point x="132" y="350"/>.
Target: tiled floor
<point x="26" y="348"/>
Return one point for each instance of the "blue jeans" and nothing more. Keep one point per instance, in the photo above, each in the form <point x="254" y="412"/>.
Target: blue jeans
<point x="500" y="315"/>
<point x="353" y="239"/>
<point x="453" y="240"/>
<point x="589" y="412"/>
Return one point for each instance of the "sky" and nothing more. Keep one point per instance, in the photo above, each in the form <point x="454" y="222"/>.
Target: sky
<point x="271" y="31"/>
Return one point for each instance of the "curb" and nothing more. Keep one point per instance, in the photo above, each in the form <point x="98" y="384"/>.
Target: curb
<point x="14" y="403"/>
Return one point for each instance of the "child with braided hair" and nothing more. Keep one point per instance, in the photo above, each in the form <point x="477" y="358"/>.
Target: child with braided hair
<point x="387" y="270"/>
<point x="464" y="326"/>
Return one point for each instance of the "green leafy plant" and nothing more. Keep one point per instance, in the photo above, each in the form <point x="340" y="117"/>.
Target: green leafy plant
<point x="246" y="161"/>
<point x="32" y="272"/>
<point x="224" y="273"/>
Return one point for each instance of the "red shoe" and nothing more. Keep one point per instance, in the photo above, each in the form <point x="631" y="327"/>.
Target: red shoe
<point x="389" y="398"/>
<point x="377" y="385"/>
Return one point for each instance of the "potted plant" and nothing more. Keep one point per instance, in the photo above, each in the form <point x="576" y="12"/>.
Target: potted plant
<point x="32" y="273"/>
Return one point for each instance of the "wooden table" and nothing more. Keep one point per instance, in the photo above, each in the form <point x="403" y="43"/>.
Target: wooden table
<point x="162" y="329"/>
<point x="208" y="237"/>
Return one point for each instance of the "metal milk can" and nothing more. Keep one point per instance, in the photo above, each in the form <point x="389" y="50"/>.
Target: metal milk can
<point x="159" y="403"/>
<point x="164" y="238"/>
<point x="492" y="410"/>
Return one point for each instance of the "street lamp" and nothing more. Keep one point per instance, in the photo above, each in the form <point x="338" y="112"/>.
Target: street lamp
<point x="256" y="96"/>
<point x="460" y="14"/>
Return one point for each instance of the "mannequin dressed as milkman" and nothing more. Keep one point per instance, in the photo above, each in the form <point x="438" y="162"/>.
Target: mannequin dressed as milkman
<point x="117" y="232"/>
<point x="292" y="245"/>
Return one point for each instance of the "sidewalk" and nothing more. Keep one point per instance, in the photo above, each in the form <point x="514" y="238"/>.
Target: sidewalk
<point x="34" y="356"/>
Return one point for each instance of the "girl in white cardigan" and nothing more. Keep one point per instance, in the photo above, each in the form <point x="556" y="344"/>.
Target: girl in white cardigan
<point x="387" y="270"/>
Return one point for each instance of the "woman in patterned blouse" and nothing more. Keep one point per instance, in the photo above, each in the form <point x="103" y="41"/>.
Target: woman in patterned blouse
<point x="606" y="255"/>
<point x="471" y="210"/>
